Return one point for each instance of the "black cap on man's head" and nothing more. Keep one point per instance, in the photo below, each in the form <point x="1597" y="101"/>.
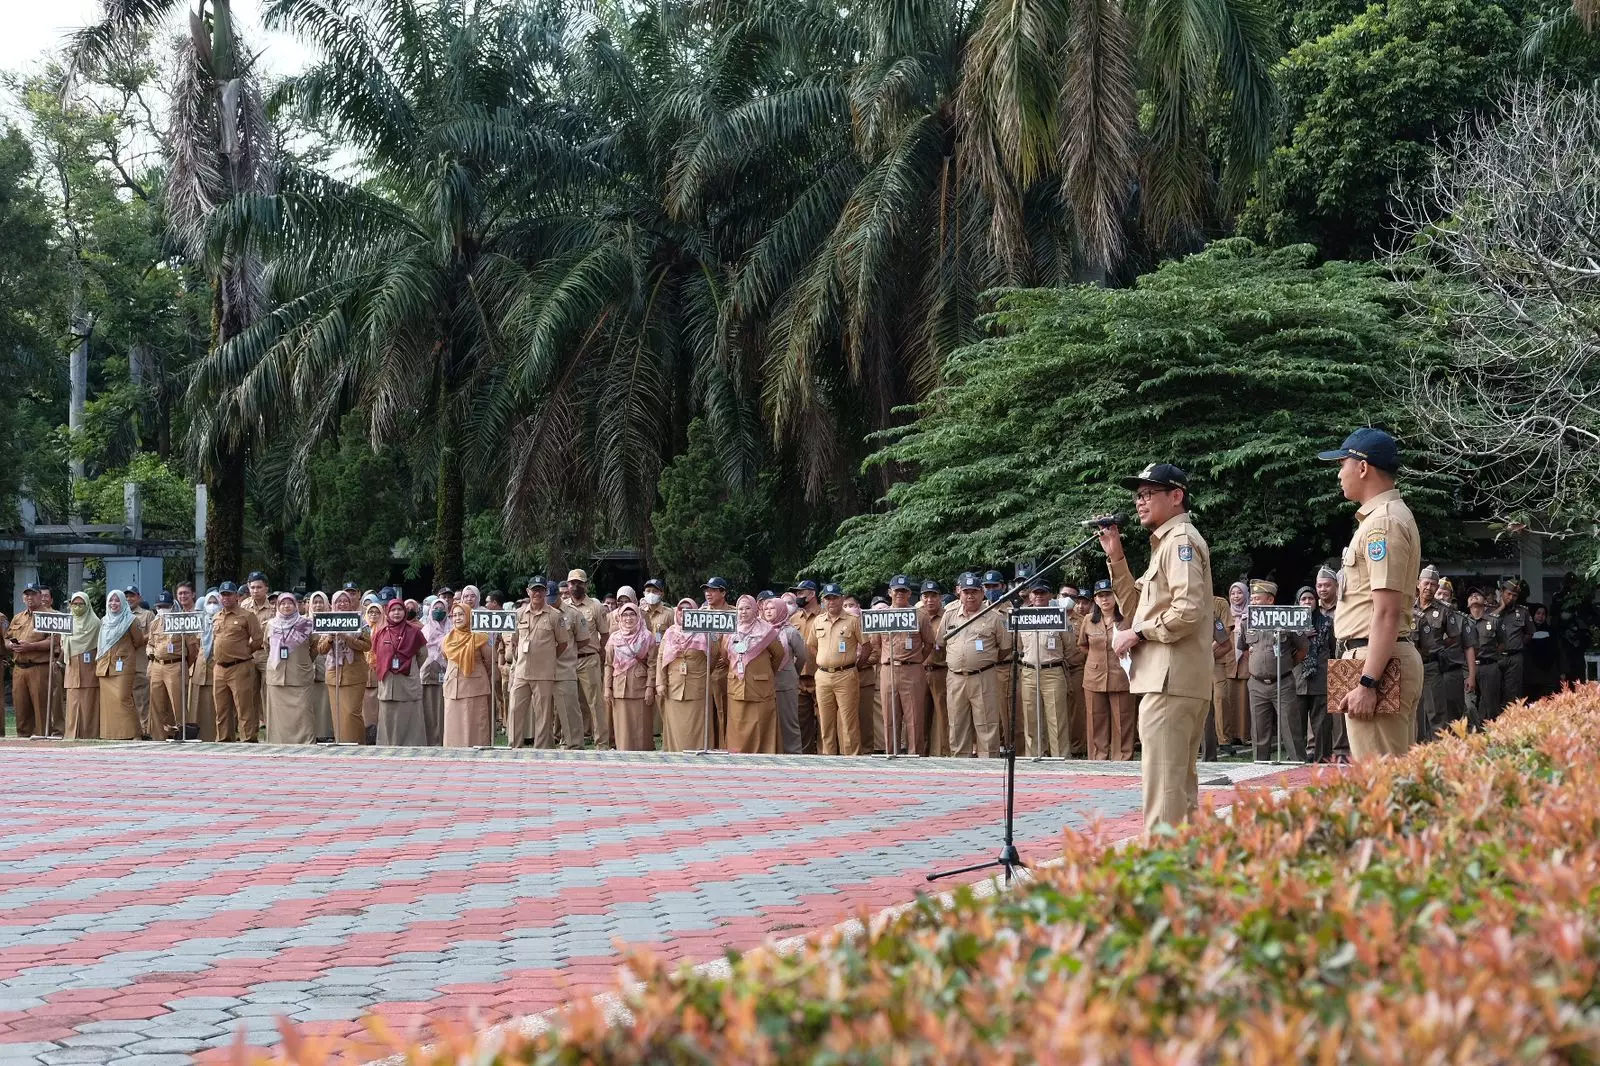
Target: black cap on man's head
<point x="804" y="586"/>
<point x="931" y="585"/>
<point x="900" y="581"/>
<point x="1162" y="475"/>
<point x="228" y="587"/>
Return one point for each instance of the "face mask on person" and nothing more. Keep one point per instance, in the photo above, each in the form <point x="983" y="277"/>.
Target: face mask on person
<point x="80" y="609"/>
<point x="991" y="594"/>
<point x="411" y="613"/>
<point x="652" y="598"/>
<point x="212" y="607"/>
<point x="438" y="614"/>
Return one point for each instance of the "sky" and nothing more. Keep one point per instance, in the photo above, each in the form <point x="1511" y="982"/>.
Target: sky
<point x="31" y="29"/>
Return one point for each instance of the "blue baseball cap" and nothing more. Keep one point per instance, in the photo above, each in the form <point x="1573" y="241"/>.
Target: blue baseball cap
<point x="931" y="585"/>
<point x="994" y="577"/>
<point x="969" y="580"/>
<point x="715" y="583"/>
<point x="900" y="581"/>
<point x="228" y="587"/>
<point x="804" y="586"/>
<point x="830" y="589"/>
<point x="1370" y="445"/>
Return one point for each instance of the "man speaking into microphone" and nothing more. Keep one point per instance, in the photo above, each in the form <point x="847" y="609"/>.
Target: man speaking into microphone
<point x="1168" y="640"/>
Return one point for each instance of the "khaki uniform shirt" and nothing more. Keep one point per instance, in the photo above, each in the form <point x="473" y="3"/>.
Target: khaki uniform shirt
<point x="22" y="630"/>
<point x="539" y="635"/>
<point x="908" y="649"/>
<point x="165" y="649"/>
<point x="657" y="619"/>
<point x="808" y="614"/>
<point x="1170" y="606"/>
<point x="1045" y="648"/>
<point x="594" y="612"/>
<point x="236" y="636"/>
<point x="1384" y="553"/>
<point x="981" y="644"/>
<point x="567" y="658"/>
<point x="1102" y="670"/>
<point x="834" y="642"/>
<point x="936" y="657"/>
<point x="263" y="613"/>
<point x="145" y="618"/>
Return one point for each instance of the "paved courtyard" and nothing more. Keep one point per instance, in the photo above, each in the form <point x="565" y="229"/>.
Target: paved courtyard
<point x="156" y="899"/>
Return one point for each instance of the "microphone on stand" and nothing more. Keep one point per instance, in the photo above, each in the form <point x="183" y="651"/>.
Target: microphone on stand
<point x="1102" y="521"/>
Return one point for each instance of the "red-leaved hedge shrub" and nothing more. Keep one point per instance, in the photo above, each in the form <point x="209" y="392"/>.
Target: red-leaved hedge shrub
<point x="1440" y="908"/>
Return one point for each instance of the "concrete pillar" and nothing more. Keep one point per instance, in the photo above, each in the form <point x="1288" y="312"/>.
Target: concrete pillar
<point x="1531" y="548"/>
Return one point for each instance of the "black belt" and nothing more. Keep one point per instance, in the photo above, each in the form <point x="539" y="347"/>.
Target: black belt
<point x="1269" y="680"/>
<point x="971" y="673"/>
<point x="24" y="666"/>
<point x="235" y="662"/>
<point x="834" y="669"/>
<point x="587" y="654"/>
<point x="1046" y="666"/>
<point x="1362" y="642"/>
<point x="1488" y="660"/>
<point x="901" y="662"/>
<point x="166" y="662"/>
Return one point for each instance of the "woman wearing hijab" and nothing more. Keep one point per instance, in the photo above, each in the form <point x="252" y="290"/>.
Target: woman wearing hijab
<point x="468" y="681"/>
<point x="1233" y="716"/>
<point x="399" y="651"/>
<point x="630" y="686"/>
<point x="287" y="680"/>
<point x="786" y="685"/>
<point x="120" y="633"/>
<point x="317" y="603"/>
<point x="80" y="648"/>
<point x="755" y="655"/>
<point x="345" y="666"/>
<point x="1112" y="710"/>
<point x="202" y="710"/>
<point x="681" y="681"/>
<point x="435" y="625"/>
<point x="373" y="612"/>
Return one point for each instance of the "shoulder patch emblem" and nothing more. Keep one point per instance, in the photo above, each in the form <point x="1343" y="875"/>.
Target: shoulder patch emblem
<point x="1186" y="553"/>
<point x="1377" y="549"/>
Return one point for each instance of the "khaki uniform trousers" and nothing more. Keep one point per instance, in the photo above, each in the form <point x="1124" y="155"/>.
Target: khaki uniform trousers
<point x="973" y="703"/>
<point x="1169" y="734"/>
<point x="1077" y="715"/>
<point x="532" y="717"/>
<point x="838" y="710"/>
<point x="166" y="696"/>
<point x="141" y="700"/>
<point x="58" y="703"/>
<point x="869" y="713"/>
<point x="1042" y="705"/>
<point x="29" y="682"/>
<point x="569" y="714"/>
<point x="235" y="693"/>
<point x="591" y="699"/>
<point x="938" y="713"/>
<point x="1113" y="724"/>
<point x="1390" y="734"/>
<point x="1231" y="702"/>
<point x="805" y="705"/>
<point x="904" y="692"/>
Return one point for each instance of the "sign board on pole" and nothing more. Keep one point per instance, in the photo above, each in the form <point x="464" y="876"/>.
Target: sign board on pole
<point x="52" y="622"/>
<point x="704" y="620"/>
<point x="1289" y="618"/>
<point x="1033" y="619"/>
<point x="487" y="620"/>
<point x="347" y="623"/>
<point x="181" y="623"/>
<point x="889" y="620"/>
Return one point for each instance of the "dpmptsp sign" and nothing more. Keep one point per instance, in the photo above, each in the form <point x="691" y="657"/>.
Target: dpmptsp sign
<point x="1034" y="619"/>
<point x="182" y="623"/>
<point x="889" y="620"/>
<point x="488" y="620"/>
<point x="1291" y="618"/>
<point x="701" y="620"/>
<point x="52" y="622"/>
<point x="347" y="623"/>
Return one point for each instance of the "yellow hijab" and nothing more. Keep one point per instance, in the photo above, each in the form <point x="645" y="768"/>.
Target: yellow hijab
<point x="461" y="645"/>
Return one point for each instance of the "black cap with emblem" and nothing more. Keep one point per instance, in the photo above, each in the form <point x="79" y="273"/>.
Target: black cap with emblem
<point x="1162" y="475"/>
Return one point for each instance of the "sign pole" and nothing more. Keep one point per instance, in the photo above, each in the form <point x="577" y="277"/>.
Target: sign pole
<point x="50" y="689"/>
<point x="1038" y="705"/>
<point x="183" y="682"/>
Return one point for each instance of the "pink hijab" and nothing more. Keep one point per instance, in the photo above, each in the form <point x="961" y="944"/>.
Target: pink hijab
<point x="674" y="642"/>
<point x="755" y="637"/>
<point x="630" y="649"/>
<point x="287" y="633"/>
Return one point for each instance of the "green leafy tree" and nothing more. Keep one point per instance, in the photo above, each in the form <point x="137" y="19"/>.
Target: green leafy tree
<point x="702" y="528"/>
<point x="1238" y="364"/>
<point x="359" y="507"/>
<point x="1366" y="92"/>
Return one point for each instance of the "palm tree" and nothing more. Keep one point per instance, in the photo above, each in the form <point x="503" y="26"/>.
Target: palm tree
<point x="382" y="288"/>
<point x="218" y="146"/>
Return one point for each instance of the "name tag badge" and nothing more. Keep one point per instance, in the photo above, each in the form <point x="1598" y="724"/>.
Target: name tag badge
<point x="977" y="645"/>
<point x="170" y="648"/>
<point x="841" y="647"/>
<point x="394" y="662"/>
<point x="908" y="644"/>
<point x="283" y="653"/>
<point x="683" y="669"/>
<point x="1050" y="643"/>
<point x="88" y="656"/>
<point x="117" y="666"/>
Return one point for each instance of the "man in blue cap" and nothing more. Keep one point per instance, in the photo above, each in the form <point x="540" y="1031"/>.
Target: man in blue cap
<point x="1373" y="621"/>
<point x="805" y="598"/>
<point x="931" y="611"/>
<point x="903" y="678"/>
<point x="834" y="640"/>
<point x="972" y="655"/>
<point x="172" y="656"/>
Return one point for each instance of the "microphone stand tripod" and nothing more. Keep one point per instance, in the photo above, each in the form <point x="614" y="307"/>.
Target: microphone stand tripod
<point x="1008" y="859"/>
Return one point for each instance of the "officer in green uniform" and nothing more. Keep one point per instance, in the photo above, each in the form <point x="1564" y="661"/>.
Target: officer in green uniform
<point x="1516" y="631"/>
<point x="1483" y="669"/>
<point x="1438" y="632"/>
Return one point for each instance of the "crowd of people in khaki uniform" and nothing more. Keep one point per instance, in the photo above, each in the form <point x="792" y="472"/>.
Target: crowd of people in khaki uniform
<point x="1152" y="666"/>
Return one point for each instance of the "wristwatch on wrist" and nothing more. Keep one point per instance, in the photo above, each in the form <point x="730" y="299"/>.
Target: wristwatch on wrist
<point x="1140" y="634"/>
<point x="1368" y="682"/>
